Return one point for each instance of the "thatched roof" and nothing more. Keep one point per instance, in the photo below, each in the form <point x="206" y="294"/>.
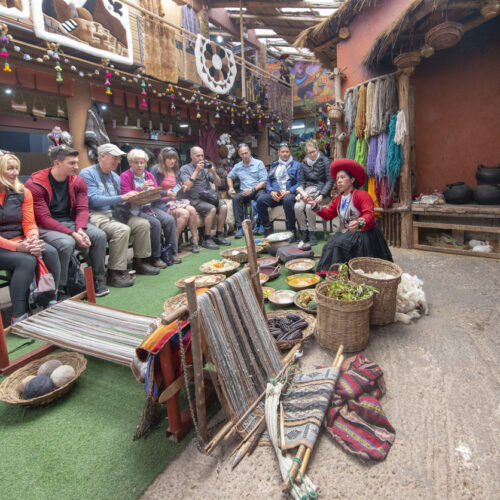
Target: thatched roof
<point x="322" y="38"/>
<point x="407" y="32"/>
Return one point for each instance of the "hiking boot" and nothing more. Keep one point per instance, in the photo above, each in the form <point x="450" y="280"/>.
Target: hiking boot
<point x="220" y="240"/>
<point x="268" y="231"/>
<point x="304" y="235"/>
<point x="293" y="238"/>
<point x="239" y="233"/>
<point x="195" y="248"/>
<point x="157" y="262"/>
<point x="100" y="289"/>
<point x="176" y="259"/>
<point x="142" y="266"/>
<point x="258" y="229"/>
<point x="119" y="279"/>
<point x="209" y="243"/>
<point x="62" y="294"/>
<point x="312" y="238"/>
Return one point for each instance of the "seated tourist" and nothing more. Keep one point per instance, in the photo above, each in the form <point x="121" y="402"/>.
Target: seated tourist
<point x="62" y="212"/>
<point x="19" y="243"/>
<point x="314" y="179"/>
<point x="196" y="178"/>
<point x="166" y="174"/>
<point x="137" y="178"/>
<point x="110" y="213"/>
<point x="253" y="176"/>
<point x="358" y="234"/>
<point x="281" y="185"/>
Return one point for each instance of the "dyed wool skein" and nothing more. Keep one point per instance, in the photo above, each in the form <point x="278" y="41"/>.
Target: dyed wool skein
<point x="37" y="387"/>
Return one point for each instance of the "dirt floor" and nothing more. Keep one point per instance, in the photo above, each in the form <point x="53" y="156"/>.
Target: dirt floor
<point x="443" y="399"/>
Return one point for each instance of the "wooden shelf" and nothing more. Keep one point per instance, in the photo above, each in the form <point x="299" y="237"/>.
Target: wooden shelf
<point x="459" y="251"/>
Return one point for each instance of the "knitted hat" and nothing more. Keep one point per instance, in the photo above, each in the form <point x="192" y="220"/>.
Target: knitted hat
<point x="350" y="166"/>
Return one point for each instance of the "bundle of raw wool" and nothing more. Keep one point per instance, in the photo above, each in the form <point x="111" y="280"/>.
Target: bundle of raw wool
<point x="411" y="302"/>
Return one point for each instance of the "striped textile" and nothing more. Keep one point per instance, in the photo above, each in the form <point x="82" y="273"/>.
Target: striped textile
<point x="356" y="420"/>
<point x="305" y="406"/>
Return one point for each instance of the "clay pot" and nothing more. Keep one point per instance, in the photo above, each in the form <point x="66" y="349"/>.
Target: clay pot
<point x="486" y="194"/>
<point x="488" y="175"/>
<point x="457" y="193"/>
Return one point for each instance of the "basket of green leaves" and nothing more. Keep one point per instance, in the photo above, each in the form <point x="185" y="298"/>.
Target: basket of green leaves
<point x="343" y="312"/>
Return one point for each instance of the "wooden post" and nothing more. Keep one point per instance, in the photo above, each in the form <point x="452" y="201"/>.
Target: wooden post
<point x="196" y="347"/>
<point x="243" y="65"/>
<point x="339" y="145"/>
<point x="77" y="117"/>
<point x="405" y="194"/>
<point x="252" y="261"/>
<point x="89" y="284"/>
<point x="4" y="354"/>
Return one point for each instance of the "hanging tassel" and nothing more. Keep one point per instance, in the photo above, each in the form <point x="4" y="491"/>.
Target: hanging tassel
<point x="381" y="160"/>
<point x="372" y="157"/>
<point x="401" y="128"/>
<point x="351" y="149"/>
<point x="394" y="155"/>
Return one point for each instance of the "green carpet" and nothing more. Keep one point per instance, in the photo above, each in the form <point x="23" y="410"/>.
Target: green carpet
<point x="80" y="446"/>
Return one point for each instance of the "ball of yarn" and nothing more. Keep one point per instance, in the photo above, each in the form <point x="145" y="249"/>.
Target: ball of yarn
<point x="62" y="374"/>
<point x="38" y="386"/>
<point x="23" y="383"/>
<point x="48" y="367"/>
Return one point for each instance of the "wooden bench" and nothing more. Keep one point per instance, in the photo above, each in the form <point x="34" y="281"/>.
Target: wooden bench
<point x="462" y="222"/>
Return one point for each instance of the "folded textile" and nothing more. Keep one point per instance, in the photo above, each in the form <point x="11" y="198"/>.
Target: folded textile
<point x="355" y="418"/>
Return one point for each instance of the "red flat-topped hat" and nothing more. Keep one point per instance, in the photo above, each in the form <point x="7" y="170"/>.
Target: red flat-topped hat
<point x="349" y="166"/>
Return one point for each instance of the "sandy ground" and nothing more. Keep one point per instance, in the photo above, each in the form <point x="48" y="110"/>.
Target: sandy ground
<point x="443" y="399"/>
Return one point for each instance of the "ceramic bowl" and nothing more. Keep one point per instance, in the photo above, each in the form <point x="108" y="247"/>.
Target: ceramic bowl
<point x="301" y="281"/>
<point x="281" y="298"/>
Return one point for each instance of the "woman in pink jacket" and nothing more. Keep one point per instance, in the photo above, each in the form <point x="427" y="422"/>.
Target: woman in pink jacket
<point x="358" y="234"/>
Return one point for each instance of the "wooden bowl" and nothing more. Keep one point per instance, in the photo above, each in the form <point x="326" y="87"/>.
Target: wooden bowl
<point x="266" y="291"/>
<point x="179" y="300"/>
<point x="302" y="281"/>
<point x="239" y="254"/>
<point x="300" y="265"/>
<point x="223" y="266"/>
<point x="297" y="302"/>
<point x="201" y="280"/>
<point x="271" y="271"/>
<point x="281" y="298"/>
<point x="264" y="278"/>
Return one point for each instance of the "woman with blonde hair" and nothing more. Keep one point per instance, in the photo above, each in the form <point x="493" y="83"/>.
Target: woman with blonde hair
<point x="166" y="173"/>
<point x="19" y="242"/>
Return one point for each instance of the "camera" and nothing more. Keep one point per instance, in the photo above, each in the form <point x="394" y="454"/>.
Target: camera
<point x="207" y="164"/>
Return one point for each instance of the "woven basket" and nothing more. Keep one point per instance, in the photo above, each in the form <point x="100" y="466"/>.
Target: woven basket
<point x="384" y="302"/>
<point x="9" y="388"/>
<point x="201" y="280"/>
<point x="230" y="267"/>
<point x="306" y="333"/>
<point x="145" y="197"/>
<point x="444" y="35"/>
<point x="407" y="60"/>
<point x="240" y="257"/>
<point x="341" y="322"/>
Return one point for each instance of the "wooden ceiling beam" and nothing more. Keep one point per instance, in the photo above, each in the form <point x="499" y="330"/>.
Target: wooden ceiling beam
<point x="271" y="18"/>
<point x="277" y="5"/>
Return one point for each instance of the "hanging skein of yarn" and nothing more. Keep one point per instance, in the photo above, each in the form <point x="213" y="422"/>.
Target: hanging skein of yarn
<point x="351" y="148"/>
<point x="376" y="120"/>
<point x="354" y="108"/>
<point x="389" y="102"/>
<point x="361" y="151"/>
<point x="348" y="110"/>
<point x="370" y="93"/>
<point x="394" y="155"/>
<point x="372" y="157"/>
<point x="360" y="121"/>
<point x="380" y="162"/>
<point x="401" y="128"/>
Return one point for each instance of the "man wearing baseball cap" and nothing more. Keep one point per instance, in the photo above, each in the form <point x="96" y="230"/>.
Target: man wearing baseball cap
<point x="110" y="213"/>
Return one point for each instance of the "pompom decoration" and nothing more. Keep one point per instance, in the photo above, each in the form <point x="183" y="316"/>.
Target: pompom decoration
<point x="55" y="56"/>
<point x="24" y="381"/>
<point x="48" y="367"/>
<point x="4" y="40"/>
<point x="38" y="386"/>
<point x="63" y="375"/>
<point x="107" y="83"/>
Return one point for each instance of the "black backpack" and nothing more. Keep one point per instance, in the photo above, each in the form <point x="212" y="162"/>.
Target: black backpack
<point x="76" y="280"/>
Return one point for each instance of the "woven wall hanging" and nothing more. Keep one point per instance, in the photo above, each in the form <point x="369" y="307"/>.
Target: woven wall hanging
<point x="215" y="64"/>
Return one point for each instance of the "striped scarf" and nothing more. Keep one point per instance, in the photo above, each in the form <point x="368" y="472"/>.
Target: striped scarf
<point x="355" y="419"/>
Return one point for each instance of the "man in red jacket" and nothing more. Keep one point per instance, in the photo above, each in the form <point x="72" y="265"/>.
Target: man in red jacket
<point x="61" y="210"/>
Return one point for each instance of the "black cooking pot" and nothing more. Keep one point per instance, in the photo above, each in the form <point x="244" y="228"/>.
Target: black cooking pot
<point x="488" y="175"/>
<point x="484" y="194"/>
<point x="457" y="193"/>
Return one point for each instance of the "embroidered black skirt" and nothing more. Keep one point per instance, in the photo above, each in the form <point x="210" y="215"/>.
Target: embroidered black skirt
<point x="345" y="246"/>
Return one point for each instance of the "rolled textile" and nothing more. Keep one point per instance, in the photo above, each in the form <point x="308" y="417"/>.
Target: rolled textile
<point x="381" y="161"/>
<point x="372" y="156"/>
<point x="401" y="128"/>
<point x="370" y="92"/>
<point x="351" y="148"/>
<point x="394" y="155"/>
<point x="360" y="121"/>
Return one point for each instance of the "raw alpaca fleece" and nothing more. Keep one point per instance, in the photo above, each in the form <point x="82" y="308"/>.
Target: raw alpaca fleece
<point x="410" y="301"/>
<point x="360" y="121"/>
<point x="48" y="367"/>
<point x="370" y="92"/>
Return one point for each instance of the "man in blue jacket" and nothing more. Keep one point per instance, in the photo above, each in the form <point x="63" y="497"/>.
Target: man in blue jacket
<point x="281" y="185"/>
